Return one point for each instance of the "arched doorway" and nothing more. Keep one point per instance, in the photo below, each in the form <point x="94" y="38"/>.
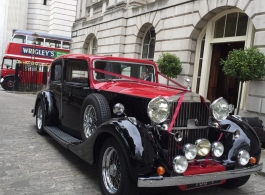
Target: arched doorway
<point x="227" y="31"/>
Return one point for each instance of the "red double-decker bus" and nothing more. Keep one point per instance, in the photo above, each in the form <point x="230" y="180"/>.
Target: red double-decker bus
<point x="30" y="48"/>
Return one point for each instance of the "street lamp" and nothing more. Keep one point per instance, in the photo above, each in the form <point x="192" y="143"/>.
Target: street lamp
<point x="35" y="37"/>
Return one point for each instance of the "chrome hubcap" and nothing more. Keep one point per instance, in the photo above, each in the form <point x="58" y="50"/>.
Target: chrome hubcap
<point x="39" y="117"/>
<point x="89" y="121"/>
<point x="111" y="170"/>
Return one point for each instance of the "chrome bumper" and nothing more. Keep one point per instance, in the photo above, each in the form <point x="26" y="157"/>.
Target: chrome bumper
<point x="161" y="181"/>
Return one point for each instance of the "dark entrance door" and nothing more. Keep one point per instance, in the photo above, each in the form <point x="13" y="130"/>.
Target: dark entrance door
<point x="221" y="85"/>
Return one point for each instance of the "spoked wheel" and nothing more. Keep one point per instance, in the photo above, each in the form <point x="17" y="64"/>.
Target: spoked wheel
<point x="95" y="111"/>
<point x="89" y="121"/>
<point x="40" y="119"/>
<point x="113" y="170"/>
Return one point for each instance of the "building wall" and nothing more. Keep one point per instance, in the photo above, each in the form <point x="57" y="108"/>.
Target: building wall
<point x="13" y="16"/>
<point x="178" y="23"/>
<point x="56" y="17"/>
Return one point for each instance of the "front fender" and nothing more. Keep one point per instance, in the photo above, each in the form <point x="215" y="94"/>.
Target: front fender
<point x="247" y="139"/>
<point x="136" y="141"/>
<point x="49" y="105"/>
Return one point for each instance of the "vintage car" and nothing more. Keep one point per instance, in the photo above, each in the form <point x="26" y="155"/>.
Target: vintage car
<point x="142" y="133"/>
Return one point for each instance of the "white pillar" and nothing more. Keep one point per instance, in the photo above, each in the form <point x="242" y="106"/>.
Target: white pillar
<point x="112" y="2"/>
<point x="91" y="12"/>
<point x="83" y="8"/>
<point x="78" y="8"/>
<point x="104" y="5"/>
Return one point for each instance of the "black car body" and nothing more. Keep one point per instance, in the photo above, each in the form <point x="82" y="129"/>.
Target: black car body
<point x="155" y="135"/>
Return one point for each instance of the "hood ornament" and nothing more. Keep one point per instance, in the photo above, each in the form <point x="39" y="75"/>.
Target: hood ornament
<point x="188" y="83"/>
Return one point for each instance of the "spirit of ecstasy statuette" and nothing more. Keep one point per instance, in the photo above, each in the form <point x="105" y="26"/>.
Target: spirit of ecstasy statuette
<point x="188" y="83"/>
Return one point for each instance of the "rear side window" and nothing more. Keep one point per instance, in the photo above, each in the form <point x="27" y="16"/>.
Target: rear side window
<point x="76" y="71"/>
<point x="56" y="71"/>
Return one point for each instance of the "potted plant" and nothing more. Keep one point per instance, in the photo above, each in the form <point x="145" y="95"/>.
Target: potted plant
<point x="245" y="65"/>
<point x="169" y="65"/>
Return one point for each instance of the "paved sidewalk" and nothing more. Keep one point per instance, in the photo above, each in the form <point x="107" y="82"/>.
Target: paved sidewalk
<point x="263" y="161"/>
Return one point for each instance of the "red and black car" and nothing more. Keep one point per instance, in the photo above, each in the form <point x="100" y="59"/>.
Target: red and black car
<point x="142" y="133"/>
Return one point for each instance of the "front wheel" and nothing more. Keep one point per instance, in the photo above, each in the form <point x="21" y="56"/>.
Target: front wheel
<point x="236" y="182"/>
<point x="8" y="83"/>
<point x="113" y="170"/>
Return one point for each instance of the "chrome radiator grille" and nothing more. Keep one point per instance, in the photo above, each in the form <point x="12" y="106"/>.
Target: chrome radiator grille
<point x="190" y="110"/>
<point x="189" y="136"/>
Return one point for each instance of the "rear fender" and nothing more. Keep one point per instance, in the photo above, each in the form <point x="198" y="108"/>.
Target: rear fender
<point x="49" y="106"/>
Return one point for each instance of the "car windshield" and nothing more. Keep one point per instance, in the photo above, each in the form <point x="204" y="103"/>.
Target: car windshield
<point x="135" y="70"/>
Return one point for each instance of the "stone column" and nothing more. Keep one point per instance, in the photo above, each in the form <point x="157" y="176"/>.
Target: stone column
<point x="104" y="5"/>
<point x="83" y="8"/>
<point x="78" y="8"/>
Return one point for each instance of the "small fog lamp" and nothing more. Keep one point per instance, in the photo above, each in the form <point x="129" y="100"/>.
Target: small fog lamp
<point x="180" y="164"/>
<point x="203" y="147"/>
<point x="217" y="149"/>
<point x="190" y="151"/>
<point x="243" y="157"/>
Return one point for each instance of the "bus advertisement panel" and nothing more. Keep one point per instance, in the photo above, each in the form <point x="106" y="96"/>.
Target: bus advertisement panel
<point x="25" y="47"/>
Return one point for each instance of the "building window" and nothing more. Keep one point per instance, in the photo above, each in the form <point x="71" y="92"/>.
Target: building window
<point x="200" y="65"/>
<point x="148" y="50"/>
<point x="93" y="46"/>
<point x="44" y="2"/>
<point x="231" y="25"/>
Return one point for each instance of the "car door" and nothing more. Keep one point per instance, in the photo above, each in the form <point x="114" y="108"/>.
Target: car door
<point x="56" y="84"/>
<point x="75" y="88"/>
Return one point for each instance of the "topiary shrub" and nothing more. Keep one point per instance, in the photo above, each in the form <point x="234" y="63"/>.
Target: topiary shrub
<point x="169" y="65"/>
<point x="245" y="65"/>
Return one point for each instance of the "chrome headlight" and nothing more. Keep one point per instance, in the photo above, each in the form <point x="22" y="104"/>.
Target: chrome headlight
<point x="158" y="109"/>
<point x="203" y="147"/>
<point x="180" y="164"/>
<point x="220" y="109"/>
<point x="217" y="149"/>
<point x="243" y="157"/>
<point x="190" y="151"/>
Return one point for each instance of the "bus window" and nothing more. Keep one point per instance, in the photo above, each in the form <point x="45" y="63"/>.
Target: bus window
<point x="38" y="41"/>
<point x="19" y="39"/>
<point x="9" y="64"/>
<point x="66" y="45"/>
<point x="52" y="43"/>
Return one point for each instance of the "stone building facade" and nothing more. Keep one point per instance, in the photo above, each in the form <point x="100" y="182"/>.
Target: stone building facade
<point x="199" y="32"/>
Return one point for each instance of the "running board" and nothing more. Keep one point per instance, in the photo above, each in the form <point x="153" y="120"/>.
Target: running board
<point x="63" y="138"/>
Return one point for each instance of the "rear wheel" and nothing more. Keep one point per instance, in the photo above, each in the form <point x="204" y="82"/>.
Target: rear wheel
<point x="236" y="182"/>
<point x="8" y="83"/>
<point x="40" y="119"/>
<point x="113" y="170"/>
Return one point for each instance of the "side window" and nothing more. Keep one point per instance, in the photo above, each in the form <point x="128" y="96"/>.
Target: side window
<point x="19" y="39"/>
<point x="52" y="43"/>
<point x="66" y="45"/>
<point x="76" y="71"/>
<point x="56" y="71"/>
<point x="9" y="64"/>
<point x="37" y="41"/>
